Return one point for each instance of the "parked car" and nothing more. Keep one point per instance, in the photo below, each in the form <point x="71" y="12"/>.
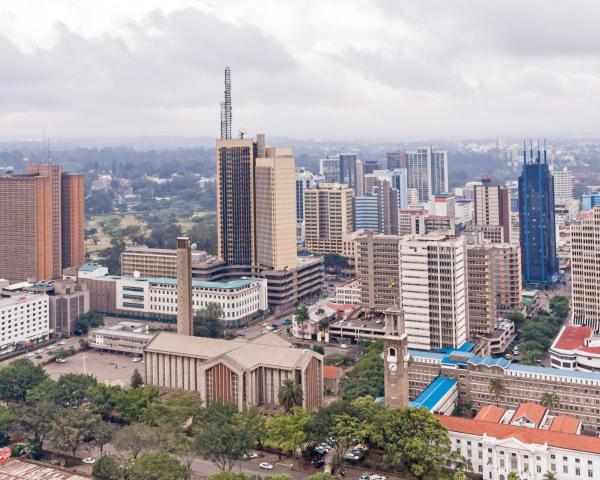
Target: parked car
<point x="30" y="354"/>
<point x="61" y="360"/>
<point x="318" y="463"/>
<point x="376" y="477"/>
<point x="89" y="460"/>
<point x="136" y="359"/>
<point x="266" y="466"/>
<point x="287" y="321"/>
<point x="364" y="477"/>
<point x="250" y="455"/>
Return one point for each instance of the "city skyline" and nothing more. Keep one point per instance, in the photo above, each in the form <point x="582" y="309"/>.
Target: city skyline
<point x="152" y="69"/>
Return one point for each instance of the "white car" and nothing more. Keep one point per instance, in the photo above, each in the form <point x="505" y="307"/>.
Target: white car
<point x="50" y="347"/>
<point x="39" y="350"/>
<point x="344" y="345"/>
<point x="61" y="360"/>
<point x="250" y="455"/>
<point x="266" y="466"/>
<point x="89" y="460"/>
<point x="62" y="342"/>
<point x="376" y="477"/>
<point x="30" y="354"/>
<point x="137" y="359"/>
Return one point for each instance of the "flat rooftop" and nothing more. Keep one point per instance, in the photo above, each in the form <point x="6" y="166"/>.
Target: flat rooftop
<point x="17" y="299"/>
<point x="432" y="395"/>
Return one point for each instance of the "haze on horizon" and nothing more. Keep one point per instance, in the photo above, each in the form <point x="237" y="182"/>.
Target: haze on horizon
<point x="384" y="69"/>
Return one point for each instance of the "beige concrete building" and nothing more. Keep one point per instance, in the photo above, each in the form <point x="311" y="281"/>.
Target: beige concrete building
<point x="509" y="282"/>
<point x="378" y="271"/>
<point x="328" y="217"/>
<point x="245" y="373"/>
<point x="119" y="339"/>
<point x="434" y="290"/>
<point x="275" y="180"/>
<point x="492" y="209"/>
<point x="585" y="268"/>
<point x="235" y="201"/>
<point x="481" y="293"/>
<point x="72" y="220"/>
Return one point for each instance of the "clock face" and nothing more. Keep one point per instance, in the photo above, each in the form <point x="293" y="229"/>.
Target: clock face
<point x="392" y="367"/>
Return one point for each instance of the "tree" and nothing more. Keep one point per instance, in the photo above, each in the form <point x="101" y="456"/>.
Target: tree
<point x="131" y="404"/>
<point x="103" y="434"/>
<point x="254" y="423"/>
<point x="346" y="429"/>
<point x="71" y="427"/>
<point x="107" y="468"/>
<point x="288" y="432"/>
<point x="496" y="388"/>
<point x="517" y="317"/>
<point x="69" y="391"/>
<point x="135" y="439"/>
<point x="174" y="409"/>
<point x="301" y="315"/>
<point x="366" y="378"/>
<point x="549" y="400"/>
<point x="34" y="421"/>
<point x="136" y="379"/>
<point x="513" y="476"/>
<point x="321" y="476"/>
<point x="158" y="465"/>
<point x="415" y="441"/>
<point x="550" y="476"/>
<point x="459" y="475"/>
<point x="559" y="305"/>
<point x="290" y="394"/>
<point x="207" y="321"/>
<point x="18" y="377"/>
<point x="88" y="320"/>
<point x="220" y="437"/>
<point x="335" y="262"/>
<point x="101" y="398"/>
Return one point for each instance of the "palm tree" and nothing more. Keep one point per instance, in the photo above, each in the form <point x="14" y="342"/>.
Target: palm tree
<point x="549" y="400"/>
<point x="497" y="388"/>
<point x="513" y="476"/>
<point x="290" y="395"/>
<point x="550" y="476"/>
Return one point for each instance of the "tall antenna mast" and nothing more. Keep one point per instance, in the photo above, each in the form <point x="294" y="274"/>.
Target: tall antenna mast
<point x="226" y="107"/>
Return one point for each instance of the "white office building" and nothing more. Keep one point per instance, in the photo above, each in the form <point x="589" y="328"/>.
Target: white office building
<point x="24" y="318"/>
<point x="427" y="171"/>
<point x="563" y="183"/>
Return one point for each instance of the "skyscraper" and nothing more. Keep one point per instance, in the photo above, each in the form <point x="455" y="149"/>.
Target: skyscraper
<point x="492" y="209"/>
<point x="235" y="201"/>
<point x="304" y="180"/>
<point x="42" y="222"/>
<point x="348" y="170"/>
<point x="563" y="183"/>
<point x="537" y="228"/>
<point x="427" y="171"/>
<point x="329" y="168"/>
<point x="275" y="178"/>
<point x="396" y="159"/>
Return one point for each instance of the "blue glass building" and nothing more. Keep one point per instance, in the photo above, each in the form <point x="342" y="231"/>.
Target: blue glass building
<point x="589" y="201"/>
<point x="536" y="214"/>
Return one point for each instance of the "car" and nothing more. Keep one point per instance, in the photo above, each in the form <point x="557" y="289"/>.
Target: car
<point x="250" y="455"/>
<point x="62" y="342"/>
<point x="30" y="354"/>
<point x="50" y="347"/>
<point x="61" y="360"/>
<point x="266" y="466"/>
<point x="137" y="359"/>
<point x="508" y="356"/>
<point x="318" y="463"/>
<point x="376" y="477"/>
<point x="89" y="460"/>
<point x="351" y="456"/>
<point x="39" y="350"/>
<point x="378" y="321"/>
<point x="287" y="321"/>
<point x="364" y="477"/>
<point x="344" y="345"/>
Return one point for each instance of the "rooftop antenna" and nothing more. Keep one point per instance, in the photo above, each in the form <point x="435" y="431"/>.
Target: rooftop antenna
<point x="243" y="132"/>
<point x="226" y="107"/>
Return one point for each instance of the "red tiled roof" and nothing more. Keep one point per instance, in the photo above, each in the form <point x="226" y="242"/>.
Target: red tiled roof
<point x="536" y="436"/>
<point x="490" y="413"/>
<point x="331" y="373"/>
<point x="532" y="411"/>
<point x="572" y="337"/>
<point x="565" y="424"/>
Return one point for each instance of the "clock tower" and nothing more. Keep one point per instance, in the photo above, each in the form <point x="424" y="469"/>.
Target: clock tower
<point x="395" y="359"/>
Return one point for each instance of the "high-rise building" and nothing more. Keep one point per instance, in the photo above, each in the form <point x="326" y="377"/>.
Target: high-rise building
<point x="72" y="220"/>
<point x="185" y="324"/>
<point x="396" y="159"/>
<point x="348" y="170"/>
<point x="304" y="180"/>
<point x="427" y="171"/>
<point x="378" y="271"/>
<point x="441" y="213"/>
<point x="369" y="166"/>
<point x="563" y="183"/>
<point x="397" y="179"/>
<point x="585" y="267"/>
<point x="366" y="213"/>
<point x="492" y="209"/>
<point x="536" y="216"/>
<point x="589" y="201"/>
<point x="42" y="223"/>
<point x="481" y="288"/>
<point x="329" y="168"/>
<point x="411" y="222"/>
<point x="235" y="201"/>
<point x="328" y="217"/>
<point x="509" y="284"/>
<point x="434" y="291"/>
<point x="275" y="178"/>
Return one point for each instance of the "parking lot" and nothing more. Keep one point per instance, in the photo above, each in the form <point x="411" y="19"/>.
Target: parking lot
<point x="105" y="367"/>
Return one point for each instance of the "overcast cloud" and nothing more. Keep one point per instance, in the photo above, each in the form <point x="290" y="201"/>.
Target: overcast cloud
<point x="385" y="69"/>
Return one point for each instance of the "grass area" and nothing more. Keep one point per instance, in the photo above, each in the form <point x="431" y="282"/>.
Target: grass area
<point x="101" y="239"/>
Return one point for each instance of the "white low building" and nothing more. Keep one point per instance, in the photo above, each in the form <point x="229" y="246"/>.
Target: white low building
<point x="24" y="318"/>
<point x="576" y="348"/>
<point x="497" y="449"/>
<point x="348" y="293"/>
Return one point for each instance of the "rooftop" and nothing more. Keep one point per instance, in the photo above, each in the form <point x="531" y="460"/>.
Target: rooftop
<point x="535" y="436"/>
<point x="490" y="413"/>
<point x="122" y="333"/>
<point x="331" y="372"/>
<point x="25" y="297"/>
<point x="432" y="395"/>
<point x="89" y="267"/>
<point x="565" y="424"/>
<point x="574" y="338"/>
<point x="530" y="412"/>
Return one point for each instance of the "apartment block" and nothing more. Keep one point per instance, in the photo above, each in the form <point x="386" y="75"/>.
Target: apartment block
<point x="492" y="209"/>
<point x="328" y="217"/>
<point x="481" y="292"/>
<point x="24" y="319"/>
<point x="508" y="279"/>
<point x="72" y="220"/>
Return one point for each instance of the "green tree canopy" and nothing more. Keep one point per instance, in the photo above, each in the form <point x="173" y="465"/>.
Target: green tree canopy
<point x="107" y="468"/>
<point x="207" y="321"/>
<point x="290" y="394"/>
<point x="18" y="377"/>
<point x="158" y="465"/>
<point x="88" y="320"/>
<point x="135" y="439"/>
<point x="131" y="404"/>
<point x="71" y="426"/>
<point x="288" y="432"/>
<point x="366" y="377"/>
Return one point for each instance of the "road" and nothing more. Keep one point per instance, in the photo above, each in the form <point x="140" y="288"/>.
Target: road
<point x="205" y="468"/>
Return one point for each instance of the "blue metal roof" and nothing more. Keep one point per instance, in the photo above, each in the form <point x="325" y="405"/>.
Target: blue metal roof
<point x="519" y="367"/>
<point x="426" y="354"/>
<point x="489" y="361"/>
<point x="230" y="285"/>
<point x="466" y="347"/>
<point x="432" y="395"/>
<point x="89" y="267"/>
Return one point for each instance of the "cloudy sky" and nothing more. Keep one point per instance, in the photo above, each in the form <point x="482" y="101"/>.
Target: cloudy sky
<point x="385" y="69"/>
